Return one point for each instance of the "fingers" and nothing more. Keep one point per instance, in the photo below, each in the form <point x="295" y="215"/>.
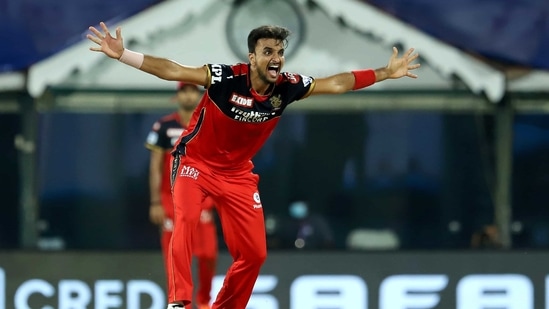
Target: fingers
<point x="97" y="37"/>
<point x="118" y="32"/>
<point x="413" y="57"/>
<point x="395" y="52"/>
<point x="94" y="39"/>
<point x="96" y="32"/>
<point x="105" y="29"/>
<point x="409" y="52"/>
<point x="413" y="66"/>
<point x="411" y="75"/>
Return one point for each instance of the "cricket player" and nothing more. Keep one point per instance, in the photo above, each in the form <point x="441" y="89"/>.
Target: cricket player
<point x="242" y="104"/>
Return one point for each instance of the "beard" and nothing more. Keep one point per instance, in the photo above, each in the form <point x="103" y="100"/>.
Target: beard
<point x="263" y="76"/>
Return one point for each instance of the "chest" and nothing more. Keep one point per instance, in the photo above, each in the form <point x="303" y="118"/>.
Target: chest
<point x="237" y="102"/>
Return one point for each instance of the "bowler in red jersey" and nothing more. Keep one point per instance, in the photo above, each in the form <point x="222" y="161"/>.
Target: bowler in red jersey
<point x="238" y="112"/>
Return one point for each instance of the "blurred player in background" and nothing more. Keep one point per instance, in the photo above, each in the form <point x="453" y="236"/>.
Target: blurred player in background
<point x="237" y="114"/>
<point x="160" y="141"/>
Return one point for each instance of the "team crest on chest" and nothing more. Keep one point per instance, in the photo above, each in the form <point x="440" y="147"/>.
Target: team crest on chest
<point x="276" y="102"/>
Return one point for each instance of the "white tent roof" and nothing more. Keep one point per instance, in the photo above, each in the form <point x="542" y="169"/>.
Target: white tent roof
<point x="196" y="35"/>
<point x="12" y="81"/>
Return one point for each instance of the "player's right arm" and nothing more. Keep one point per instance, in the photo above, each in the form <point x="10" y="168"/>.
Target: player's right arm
<point x="160" y="67"/>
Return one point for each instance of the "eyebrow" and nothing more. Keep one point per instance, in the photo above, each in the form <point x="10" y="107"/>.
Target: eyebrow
<point x="267" y="48"/>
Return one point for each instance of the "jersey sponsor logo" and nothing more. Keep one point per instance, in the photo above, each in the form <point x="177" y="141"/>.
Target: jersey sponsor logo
<point x="190" y="172"/>
<point x="217" y="71"/>
<point x="307" y="80"/>
<point x="152" y="138"/>
<point x="174" y="132"/>
<point x="249" y="116"/>
<point x="257" y="199"/>
<point x="241" y="100"/>
<point x="292" y="78"/>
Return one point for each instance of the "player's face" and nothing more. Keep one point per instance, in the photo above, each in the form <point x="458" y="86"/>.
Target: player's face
<point x="187" y="98"/>
<point x="268" y="59"/>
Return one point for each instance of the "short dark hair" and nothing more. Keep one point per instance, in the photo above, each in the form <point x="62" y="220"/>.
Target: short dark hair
<point x="267" y="32"/>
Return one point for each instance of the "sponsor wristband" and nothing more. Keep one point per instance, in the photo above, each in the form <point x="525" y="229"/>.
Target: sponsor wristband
<point x="132" y="58"/>
<point x="364" y="78"/>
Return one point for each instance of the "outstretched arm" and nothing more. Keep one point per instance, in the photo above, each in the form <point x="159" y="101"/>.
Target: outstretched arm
<point x="396" y="68"/>
<point x="161" y="67"/>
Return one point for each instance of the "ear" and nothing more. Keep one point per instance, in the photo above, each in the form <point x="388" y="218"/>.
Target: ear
<point x="251" y="57"/>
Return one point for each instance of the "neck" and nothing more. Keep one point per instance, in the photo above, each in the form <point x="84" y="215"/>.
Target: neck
<point x="258" y="84"/>
<point x="185" y="116"/>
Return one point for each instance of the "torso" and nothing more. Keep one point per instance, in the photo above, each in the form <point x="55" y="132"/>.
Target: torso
<point x="232" y="122"/>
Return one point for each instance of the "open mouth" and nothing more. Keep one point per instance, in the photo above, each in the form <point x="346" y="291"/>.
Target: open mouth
<point x="273" y="70"/>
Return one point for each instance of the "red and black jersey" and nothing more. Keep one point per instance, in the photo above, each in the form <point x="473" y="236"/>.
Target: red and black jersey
<point x="163" y="137"/>
<point x="232" y="121"/>
<point x="165" y="133"/>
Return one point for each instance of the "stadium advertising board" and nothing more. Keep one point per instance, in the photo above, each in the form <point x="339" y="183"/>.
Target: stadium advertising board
<point x="289" y="280"/>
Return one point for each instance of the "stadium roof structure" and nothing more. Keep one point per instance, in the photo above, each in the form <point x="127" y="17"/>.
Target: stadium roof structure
<point x="336" y="36"/>
<point x="333" y="36"/>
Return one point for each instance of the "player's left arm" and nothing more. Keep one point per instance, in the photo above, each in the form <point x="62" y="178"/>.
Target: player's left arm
<point x="343" y="82"/>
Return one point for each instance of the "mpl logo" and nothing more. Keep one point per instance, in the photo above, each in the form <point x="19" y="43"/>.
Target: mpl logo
<point x="217" y="72"/>
<point x="191" y="172"/>
<point x="77" y="294"/>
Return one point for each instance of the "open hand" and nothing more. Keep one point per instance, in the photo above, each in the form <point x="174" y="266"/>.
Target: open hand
<point x="400" y="67"/>
<point x="112" y="47"/>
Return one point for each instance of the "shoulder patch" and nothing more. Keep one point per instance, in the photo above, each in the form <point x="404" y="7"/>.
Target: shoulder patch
<point x="152" y="138"/>
<point x="217" y="73"/>
<point x="307" y="80"/>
